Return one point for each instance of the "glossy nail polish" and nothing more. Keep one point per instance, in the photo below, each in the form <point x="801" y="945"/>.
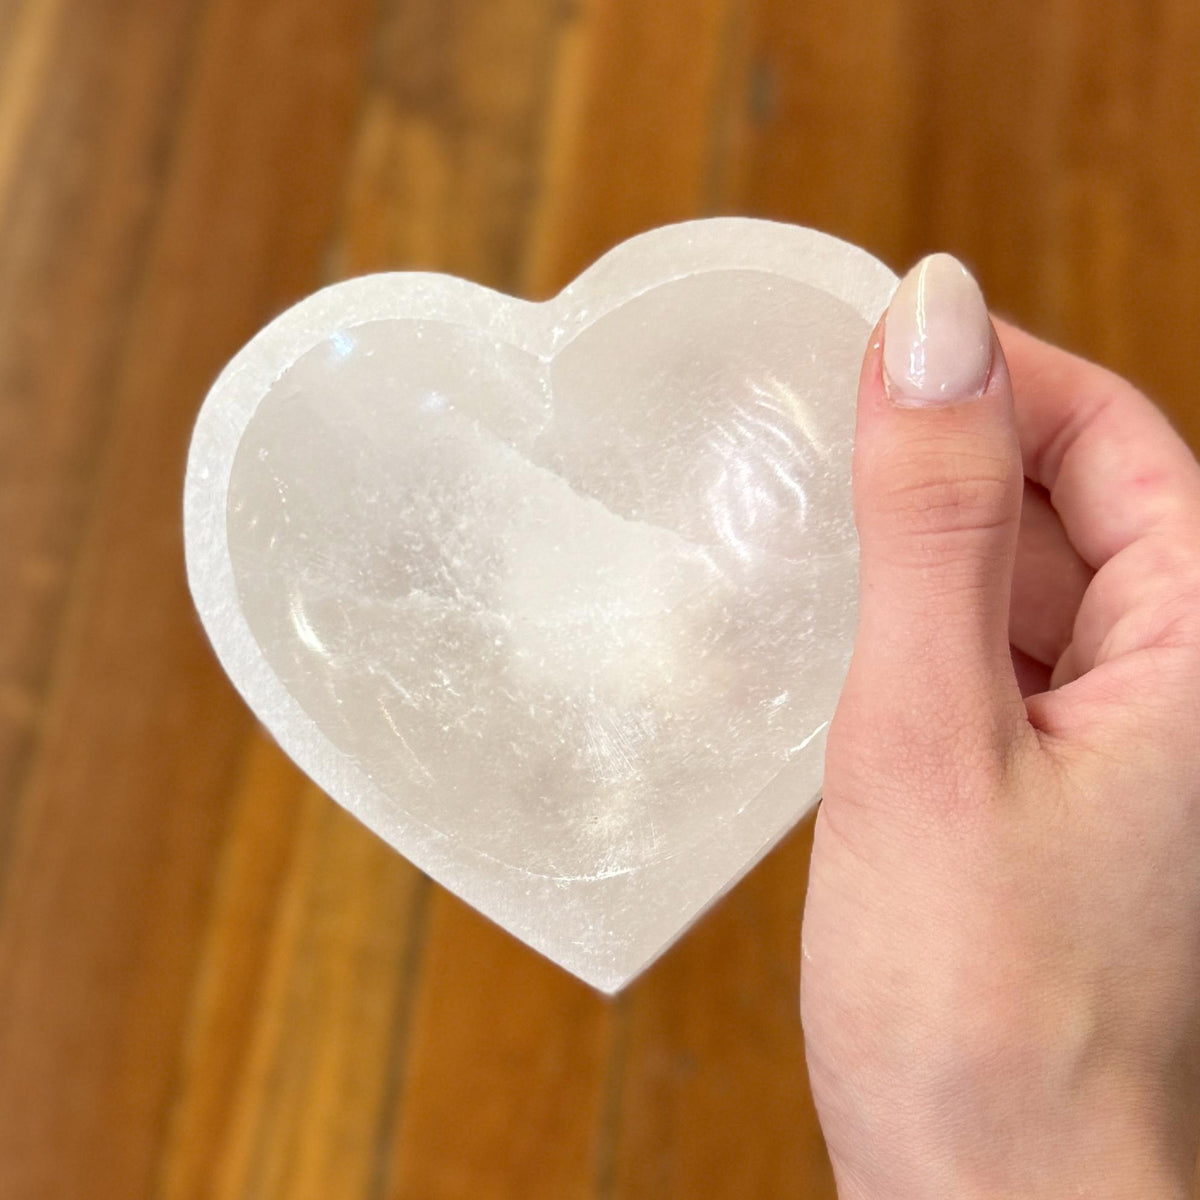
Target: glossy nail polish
<point x="937" y="341"/>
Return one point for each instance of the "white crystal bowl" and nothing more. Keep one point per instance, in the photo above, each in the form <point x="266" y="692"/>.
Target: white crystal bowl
<point x="556" y="598"/>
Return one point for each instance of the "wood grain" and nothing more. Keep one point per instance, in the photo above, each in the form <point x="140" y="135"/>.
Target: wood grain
<point x="213" y="983"/>
<point x="86" y="108"/>
<point x="714" y="1096"/>
<point x="629" y="128"/>
<point x="284" y="1079"/>
<point x="123" y="809"/>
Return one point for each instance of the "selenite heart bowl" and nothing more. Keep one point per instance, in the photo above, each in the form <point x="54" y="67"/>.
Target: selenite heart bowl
<point x="557" y="598"/>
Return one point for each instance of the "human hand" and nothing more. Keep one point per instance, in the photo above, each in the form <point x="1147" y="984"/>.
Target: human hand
<point x="1001" y="976"/>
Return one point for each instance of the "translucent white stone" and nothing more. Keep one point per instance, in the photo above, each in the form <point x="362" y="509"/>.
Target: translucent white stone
<point x="556" y="598"/>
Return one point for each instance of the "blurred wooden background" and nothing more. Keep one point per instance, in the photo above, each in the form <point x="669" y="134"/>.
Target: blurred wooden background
<point x="212" y="982"/>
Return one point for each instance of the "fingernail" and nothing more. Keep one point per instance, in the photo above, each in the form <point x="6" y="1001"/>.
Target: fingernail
<point x="937" y="340"/>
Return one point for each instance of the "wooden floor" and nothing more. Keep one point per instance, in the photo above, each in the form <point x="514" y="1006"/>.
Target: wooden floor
<point x="212" y="982"/>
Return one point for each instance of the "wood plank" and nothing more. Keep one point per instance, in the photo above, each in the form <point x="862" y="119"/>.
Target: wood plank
<point x="1160" y="298"/>
<point x="822" y="121"/>
<point x="504" y="1090"/>
<point x="1127" y="177"/>
<point x="446" y="161"/>
<point x="630" y="139"/>
<point x="714" y="1099"/>
<point x="257" y="861"/>
<point x="123" y="814"/>
<point x="29" y="35"/>
<point x="286" y="1071"/>
<point x="90" y="108"/>
<point x="982" y="182"/>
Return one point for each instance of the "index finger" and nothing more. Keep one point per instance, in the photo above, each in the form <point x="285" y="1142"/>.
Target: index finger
<point x="1115" y="468"/>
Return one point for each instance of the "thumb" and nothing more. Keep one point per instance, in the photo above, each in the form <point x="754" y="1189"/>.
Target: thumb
<point x="937" y="496"/>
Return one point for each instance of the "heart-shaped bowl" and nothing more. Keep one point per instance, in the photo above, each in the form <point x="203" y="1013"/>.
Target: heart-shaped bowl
<point x="556" y="598"/>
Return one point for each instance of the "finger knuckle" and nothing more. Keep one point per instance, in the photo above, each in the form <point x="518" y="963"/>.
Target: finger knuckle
<point x="941" y="504"/>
